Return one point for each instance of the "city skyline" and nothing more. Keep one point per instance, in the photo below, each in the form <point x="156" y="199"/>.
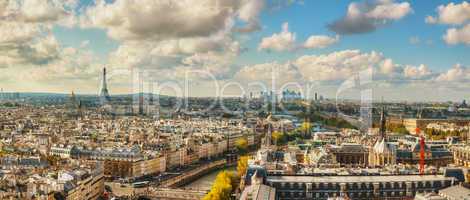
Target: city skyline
<point x="418" y="51"/>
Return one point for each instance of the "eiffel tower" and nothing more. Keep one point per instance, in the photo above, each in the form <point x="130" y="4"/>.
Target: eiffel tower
<point x="104" y="94"/>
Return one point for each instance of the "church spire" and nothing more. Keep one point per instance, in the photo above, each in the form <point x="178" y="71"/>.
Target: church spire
<point x="383" y="120"/>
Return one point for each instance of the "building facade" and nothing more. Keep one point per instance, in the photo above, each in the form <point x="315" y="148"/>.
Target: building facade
<point x="357" y="187"/>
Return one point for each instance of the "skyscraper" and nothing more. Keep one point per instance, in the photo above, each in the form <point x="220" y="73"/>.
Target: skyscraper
<point x="104" y="94"/>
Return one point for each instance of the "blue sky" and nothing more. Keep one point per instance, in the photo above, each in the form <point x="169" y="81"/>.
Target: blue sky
<point x="312" y="17"/>
<point x="393" y="40"/>
<point x="333" y="40"/>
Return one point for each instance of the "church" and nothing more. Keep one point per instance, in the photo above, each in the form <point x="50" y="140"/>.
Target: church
<point x="383" y="152"/>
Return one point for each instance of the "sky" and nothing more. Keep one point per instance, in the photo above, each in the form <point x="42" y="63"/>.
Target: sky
<point x="398" y="50"/>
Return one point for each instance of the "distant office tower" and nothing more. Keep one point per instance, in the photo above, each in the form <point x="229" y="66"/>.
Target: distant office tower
<point x="104" y="94"/>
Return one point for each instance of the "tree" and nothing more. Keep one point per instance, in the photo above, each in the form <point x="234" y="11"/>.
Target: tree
<point x="305" y="127"/>
<point x="242" y="145"/>
<point x="223" y="186"/>
<point x="242" y="166"/>
<point x="278" y="137"/>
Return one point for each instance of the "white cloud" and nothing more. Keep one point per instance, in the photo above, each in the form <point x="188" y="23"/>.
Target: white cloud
<point x="416" y="72"/>
<point x="337" y="65"/>
<point x="457" y="15"/>
<point x="161" y="35"/>
<point x="249" y="12"/>
<point x="266" y="72"/>
<point x="37" y="51"/>
<point x="451" y="14"/>
<point x="457" y="73"/>
<point x="388" y="67"/>
<point x="218" y="64"/>
<point x="71" y="68"/>
<point x="286" y="41"/>
<point x="282" y="41"/>
<point x="162" y="20"/>
<point x="367" y="16"/>
<point x="14" y="32"/>
<point x="26" y="30"/>
<point x="320" y="41"/>
<point x="458" y="35"/>
<point x="60" y="12"/>
<point x="42" y="10"/>
<point x="385" y="10"/>
<point x="219" y="42"/>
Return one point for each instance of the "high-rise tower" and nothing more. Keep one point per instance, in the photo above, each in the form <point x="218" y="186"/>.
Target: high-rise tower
<point x="104" y="94"/>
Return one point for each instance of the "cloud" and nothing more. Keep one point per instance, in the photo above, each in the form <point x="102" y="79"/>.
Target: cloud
<point x="414" y="40"/>
<point x="337" y="65"/>
<point x="27" y="42"/>
<point x="388" y="67"/>
<point x="220" y="64"/>
<point x="417" y="72"/>
<point x="320" y="41"/>
<point x="163" y="35"/>
<point x="286" y="41"/>
<point x="455" y="36"/>
<point x="16" y="33"/>
<point x="42" y="10"/>
<point x="70" y="67"/>
<point x="177" y="46"/>
<point x="282" y="41"/>
<point x="266" y="72"/>
<point x="21" y="49"/>
<point x="39" y="11"/>
<point x="162" y="20"/>
<point x="26" y="30"/>
<point x="249" y="12"/>
<point x="454" y="14"/>
<point x="457" y="15"/>
<point x="367" y="16"/>
<point x="458" y="73"/>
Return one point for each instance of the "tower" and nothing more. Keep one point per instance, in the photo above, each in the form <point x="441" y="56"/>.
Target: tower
<point x="383" y="121"/>
<point x="104" y="94"/>
<point x="268" y="129"/>
<point x="73" y="100"/>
